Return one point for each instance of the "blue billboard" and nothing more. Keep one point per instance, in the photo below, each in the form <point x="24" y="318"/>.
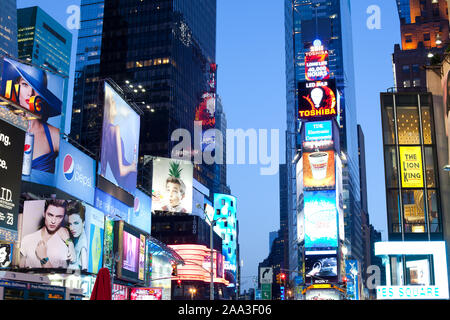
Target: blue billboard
<point x="75" y="173"/>
<point x="318" y="130"/>
<point x="141" y="214"/>
<point x="225" y="207"/>
<point x="113" y="208"/>
<point x="321" y="219"/>
<point x="351" y="272"/>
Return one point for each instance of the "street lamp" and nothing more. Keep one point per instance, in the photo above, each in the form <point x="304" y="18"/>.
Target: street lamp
<point x="192" y="291"/>
<point x="212" y="223"/>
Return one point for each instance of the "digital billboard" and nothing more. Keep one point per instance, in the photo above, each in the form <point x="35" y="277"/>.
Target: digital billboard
<point x="225" y="206"/>
<point x="120" y="141"/>
<point x="172" y="186"/>
<point x="112" y="207"/>
<point x="318" y="130"/>
<point x="11" y="154"/>
<point x="63" y="234"/>
<point x="321" y="268"/>
<point x="75" y="173"/>
<point x="141" y="214"/>
<point x="130" y="243"/>
<point x="316" y="65"/>
<point x="146" y="294"/>
<point x="300" y="203"/>
<point x="321" y="220"/>
<point x="41" y="93"/>
<point x="352" y="274"/>
<point x="317" y="100"/>
<point x="411" y="167"/>
<point x="318" y="165"/>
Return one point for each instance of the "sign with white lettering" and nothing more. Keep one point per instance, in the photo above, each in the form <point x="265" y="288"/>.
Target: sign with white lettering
<point x="11" y="155"/>
<point x="317" y="100"/>
<point x="411" y="292"/>
<point x="266" y="275"/>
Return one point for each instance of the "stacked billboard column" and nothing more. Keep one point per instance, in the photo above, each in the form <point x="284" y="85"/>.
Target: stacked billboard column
<point x="320" y="228"/>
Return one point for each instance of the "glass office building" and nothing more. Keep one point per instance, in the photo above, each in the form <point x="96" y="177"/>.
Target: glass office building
<point x="8" y="28"/>
<point x="43" y="41"/>
<point x="330" y="22"/>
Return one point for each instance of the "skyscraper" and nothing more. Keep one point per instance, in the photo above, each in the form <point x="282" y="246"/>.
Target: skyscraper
<point x="8" y="28"/>
<point x="329" y="22"/>
<point x="161" y="49"/>
<point x="43" y="41"/>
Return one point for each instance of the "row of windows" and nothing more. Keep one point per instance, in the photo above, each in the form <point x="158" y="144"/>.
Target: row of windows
<point x="147" y="63"/>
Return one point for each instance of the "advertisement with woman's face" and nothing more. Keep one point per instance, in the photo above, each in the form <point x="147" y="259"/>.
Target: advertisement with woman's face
<point x="40" y="93"/>
<point x="120" y="141"/>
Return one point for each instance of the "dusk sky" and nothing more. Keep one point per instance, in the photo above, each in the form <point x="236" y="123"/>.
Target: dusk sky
<point x="250" y="55"/>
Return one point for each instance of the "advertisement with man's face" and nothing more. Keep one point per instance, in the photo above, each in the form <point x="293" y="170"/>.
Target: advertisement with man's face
<point x="172" y="186"/>
<point x="46" y="240"/>
<point x="321" y="220"/>
<point x="6" y="254"/>
<point x="41" y="93"/>
<point x="120" y="141"/>
<point x="11" y="142"/>
<point x="318" y="165"/>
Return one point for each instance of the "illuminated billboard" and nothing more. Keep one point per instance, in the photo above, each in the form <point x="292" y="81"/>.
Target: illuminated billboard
<point x="145" y="294"/>
<point x="225" y="207"/>
<point x="11" y="154"/>
<point x="141" y="214"/>
<point x="130" y="243"/>
<point x="120" y="141"/>
<point x="41" y="93"/>
<point x="300" y="203"/>
<point x="411" y="167"/>
<point x="197" y="265"/>
<point x="61" y="234"/>
<point x="318" y="165"/>
<point x="6" y="254"/>
<point x="318" y="130"/>
<point x="317" y="100"/>
<point x="321" y="220"/>
<point x="321" y="268"/>
<point x="316" y="65"/>
<point x="172" y="186"/>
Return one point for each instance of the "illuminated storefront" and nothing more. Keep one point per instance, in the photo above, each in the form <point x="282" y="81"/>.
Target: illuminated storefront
<point x="412" y="182"/>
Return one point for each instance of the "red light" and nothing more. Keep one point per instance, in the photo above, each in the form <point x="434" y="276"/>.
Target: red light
<point x="283" y="276"/>
<point x="344" y="279"/>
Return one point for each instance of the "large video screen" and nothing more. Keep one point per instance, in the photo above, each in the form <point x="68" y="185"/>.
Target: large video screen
<point x="41" y="93"/>
<point x="320" y="268"/>
<point x="318" y="165"/>
<point x="120" y="141"/>
<point x="321" y="220"/>
<point x="63" y="234"/>
<point x="132" y="244"/>
<point x="317" y="100"/>
<point x="172" y="186"/>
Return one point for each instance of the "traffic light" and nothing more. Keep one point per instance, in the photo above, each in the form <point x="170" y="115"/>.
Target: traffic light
<point x="344" y="282"/>
<point x="179" y="283"/>
<point x="278" y="278"/>
<point x="283" y="278"/>
<point x="174" y="270"/>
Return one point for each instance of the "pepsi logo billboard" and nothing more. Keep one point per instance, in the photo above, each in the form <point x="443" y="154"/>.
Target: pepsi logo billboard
<point x="75" y="173"/>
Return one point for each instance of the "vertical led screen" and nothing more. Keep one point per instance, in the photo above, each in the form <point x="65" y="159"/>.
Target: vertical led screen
<point x="120" y="141"/>
<point x="321" y="219"/>
<point x="317" y="100"/>
<point x="300" y="203"/>
<point x="316" y="65"/>
<point x="318" y="130"/>
<point x="6" y="254"/>
<point x="225" y="207"/>
<point x="352" y="272"/>
<point x="131" y="247"/>
<point x="41" y="93"/>
<point x="11" y="142"/>
<point x="58" y="234"/>
<point x="318" y="165"/>
<point x="172" y="186"/>
<point x="95" y="230"/>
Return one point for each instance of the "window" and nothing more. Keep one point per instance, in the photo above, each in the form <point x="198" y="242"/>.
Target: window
<point x="416" y="83"/>
<point x="406" y="84"/>
<point x="405" y="69"/>
<point x="426" y="36"/>
<point x="415" y="68"/>
<point x="408" y="38"/>
<point x="414" y="210"/>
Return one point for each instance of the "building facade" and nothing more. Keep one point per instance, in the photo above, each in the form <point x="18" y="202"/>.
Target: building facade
<point x="329" y="22"/>
<point x="43" y="41"/>
<point x="8" y="28"/>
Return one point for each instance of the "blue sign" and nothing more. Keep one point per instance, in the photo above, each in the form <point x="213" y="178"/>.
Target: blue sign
<point x="141" y="214"/>
<point x="75" y="173"/>
<point x="318" y="130"/>
<point x="321" y="219"/>
<point x="351" y="270"/>
<point x="112" y="207"/>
